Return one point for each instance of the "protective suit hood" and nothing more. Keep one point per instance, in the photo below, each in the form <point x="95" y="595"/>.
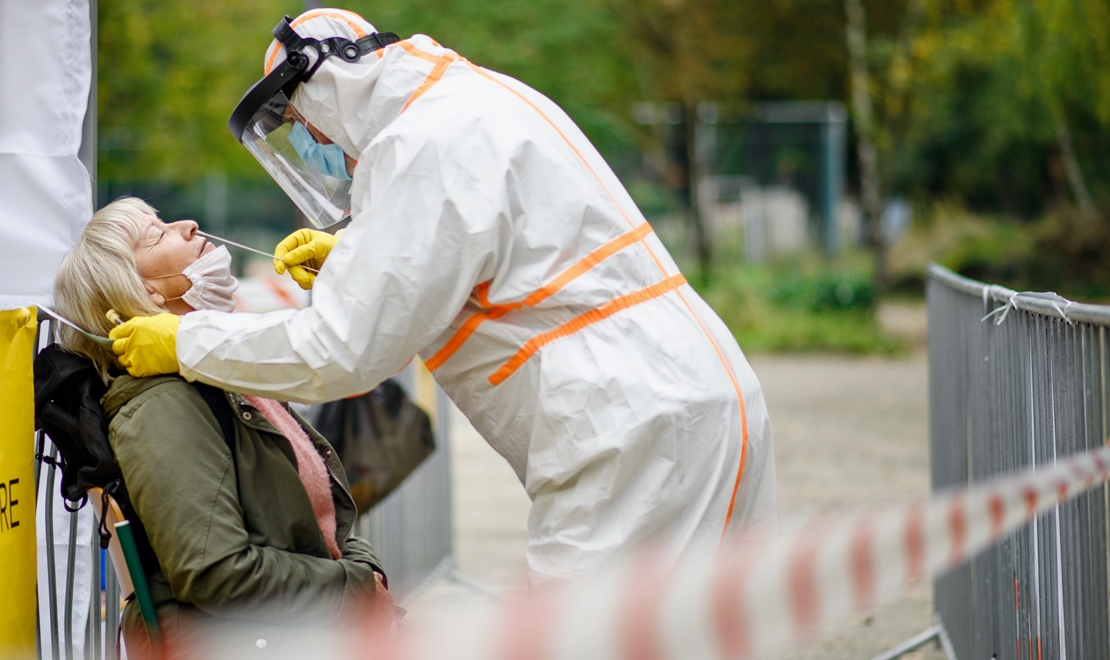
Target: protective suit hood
<point x="345" y="100"/>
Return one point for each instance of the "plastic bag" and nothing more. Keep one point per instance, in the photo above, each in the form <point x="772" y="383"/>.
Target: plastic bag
<point x="381" y="437"/>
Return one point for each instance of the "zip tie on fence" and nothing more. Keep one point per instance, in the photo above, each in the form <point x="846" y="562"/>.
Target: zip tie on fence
<point x="1052" y="298"/>
<point x="1004" y="309"/>
<point x="756" y="593"/>
<point x="1064" y="312"/>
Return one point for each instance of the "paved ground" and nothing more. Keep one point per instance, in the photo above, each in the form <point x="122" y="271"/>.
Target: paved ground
<point x="846" y="430"/>
<point x="856" y="431"/>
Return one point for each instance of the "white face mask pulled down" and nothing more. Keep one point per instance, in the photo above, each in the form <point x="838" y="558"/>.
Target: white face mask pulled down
<point x="213" y="285"/>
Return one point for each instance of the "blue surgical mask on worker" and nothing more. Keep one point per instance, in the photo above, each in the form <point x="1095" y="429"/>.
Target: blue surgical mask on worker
<point x="327" y="158"/>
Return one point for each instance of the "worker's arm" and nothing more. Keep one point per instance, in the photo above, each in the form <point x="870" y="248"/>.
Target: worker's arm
<point x="429" y="224"/>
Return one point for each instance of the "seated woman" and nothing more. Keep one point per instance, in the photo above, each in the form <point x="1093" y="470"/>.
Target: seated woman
<point x="236" y="524"/>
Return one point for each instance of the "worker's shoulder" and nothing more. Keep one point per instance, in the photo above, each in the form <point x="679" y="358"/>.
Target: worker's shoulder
<point x="462" y="120"/>
<point x="470" y="95"/>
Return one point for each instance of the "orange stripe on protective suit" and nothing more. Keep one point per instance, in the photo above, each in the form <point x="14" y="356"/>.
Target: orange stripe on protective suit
<point x="659" y="265"/>
<point x="407" y="46"/>
<point x="579" y="322"/>
<point x="441" y="64"/>
<point x="339" y="14"/>
<point x="573" y="148"/>
<point x="539" y="295"/>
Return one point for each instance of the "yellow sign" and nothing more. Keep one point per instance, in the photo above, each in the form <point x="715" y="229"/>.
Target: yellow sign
<point x="17" y="484"/>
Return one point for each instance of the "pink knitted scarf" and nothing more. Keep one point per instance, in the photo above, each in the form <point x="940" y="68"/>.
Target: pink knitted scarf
<point x="310" y="467"/>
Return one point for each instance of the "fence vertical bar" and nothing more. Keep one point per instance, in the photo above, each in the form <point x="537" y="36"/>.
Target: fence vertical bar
<point x="51" y="577"/>
<point x="71" y="568"/>
<point x="94" y="598"/>
<point x="111" y="612"/>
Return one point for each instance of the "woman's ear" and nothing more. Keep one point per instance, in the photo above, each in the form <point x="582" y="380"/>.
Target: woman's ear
<point x="158" y="299"/>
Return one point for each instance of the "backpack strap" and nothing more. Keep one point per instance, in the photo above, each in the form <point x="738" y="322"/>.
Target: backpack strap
<point x="221" y="409"/>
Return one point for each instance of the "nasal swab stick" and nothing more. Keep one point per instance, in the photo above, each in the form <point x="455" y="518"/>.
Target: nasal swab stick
<point x="249" y="249"/>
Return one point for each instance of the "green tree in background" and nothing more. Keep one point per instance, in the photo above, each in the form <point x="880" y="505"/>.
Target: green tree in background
<point x="169" y="74"/>
<point x="997" y="106"/>
<point x="1002" y="104"/>
<point x="687" y="53"/>
<point x="574" y="51"/>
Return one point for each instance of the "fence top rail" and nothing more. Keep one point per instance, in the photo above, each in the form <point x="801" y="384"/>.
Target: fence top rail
<point x="1028" y="301"/>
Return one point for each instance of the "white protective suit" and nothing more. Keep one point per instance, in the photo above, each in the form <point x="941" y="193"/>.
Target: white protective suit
<point x="490" y="237"/>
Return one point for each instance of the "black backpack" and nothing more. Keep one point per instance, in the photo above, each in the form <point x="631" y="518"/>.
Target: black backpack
<point x="68" y="390"/>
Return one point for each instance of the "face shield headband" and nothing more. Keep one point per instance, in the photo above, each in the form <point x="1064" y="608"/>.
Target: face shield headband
<point x="264" y="123"/>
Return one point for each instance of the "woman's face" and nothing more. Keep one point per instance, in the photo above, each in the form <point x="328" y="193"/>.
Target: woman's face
<point x="164" y="251"/>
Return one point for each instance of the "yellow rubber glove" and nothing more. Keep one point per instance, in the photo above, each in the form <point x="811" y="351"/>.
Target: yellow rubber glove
<point x="304" y="247"/>
<point x="147" y="345"/>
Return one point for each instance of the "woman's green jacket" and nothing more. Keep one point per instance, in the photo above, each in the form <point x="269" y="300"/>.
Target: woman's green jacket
<point x="234" y="536"/>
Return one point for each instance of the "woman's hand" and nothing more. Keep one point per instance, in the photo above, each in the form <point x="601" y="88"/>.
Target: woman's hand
<point x="373" y="609"/>
<point x="381" y="604"/>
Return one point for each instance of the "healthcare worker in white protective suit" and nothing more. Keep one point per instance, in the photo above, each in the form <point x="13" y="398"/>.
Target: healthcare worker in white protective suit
<point x="488" y="236"/>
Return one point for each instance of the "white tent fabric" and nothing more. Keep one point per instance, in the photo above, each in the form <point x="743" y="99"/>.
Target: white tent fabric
<point x="45" y="201"/>
<point x="45" y="191"/>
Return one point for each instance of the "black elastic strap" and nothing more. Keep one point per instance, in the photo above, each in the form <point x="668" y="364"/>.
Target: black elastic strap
<point x="52" y="462"/>
<point x="376" y="41"/>
<point x="110" y="488"/>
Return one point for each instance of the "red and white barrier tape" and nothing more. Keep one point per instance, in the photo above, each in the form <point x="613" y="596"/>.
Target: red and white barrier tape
<point x="755" y="593"/>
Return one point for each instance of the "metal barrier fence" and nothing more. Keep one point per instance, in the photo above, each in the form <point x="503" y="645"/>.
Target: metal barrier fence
<point x="1027" y="385"/>
<point x="411" y="530"/>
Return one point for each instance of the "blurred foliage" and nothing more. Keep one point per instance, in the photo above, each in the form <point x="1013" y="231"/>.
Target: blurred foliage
<point x="805" y="304"/>
<point x="171" y="72"/>
<point x="1064" y="251"/>
<point x="971" y="97"/>
<point x="824" y="291"/>
<point x="972" y="94"/>
<point x="969" y="93"/>
<point x="169" y="75"/>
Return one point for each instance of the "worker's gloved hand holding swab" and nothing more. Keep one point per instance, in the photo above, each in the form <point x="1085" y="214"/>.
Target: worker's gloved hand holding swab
<point x="303" y="252"/>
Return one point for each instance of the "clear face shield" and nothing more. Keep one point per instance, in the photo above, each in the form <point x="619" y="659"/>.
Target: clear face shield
<point x="313" y="174"/>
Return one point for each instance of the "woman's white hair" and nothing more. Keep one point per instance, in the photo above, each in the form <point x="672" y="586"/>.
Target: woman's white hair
<point x="101" y="274"/>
